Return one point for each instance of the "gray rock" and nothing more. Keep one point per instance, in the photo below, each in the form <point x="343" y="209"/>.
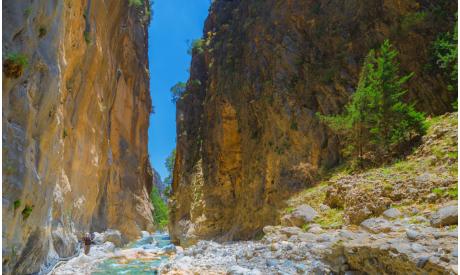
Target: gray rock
<point x="392" y="213"/>
<point x="301" y="215"/>
<point x="291" y="231"/>
<point x="412" y="235"/>
<point x="377" y="225"/>
<point x="455" y="251"/>
<point x="447" y="215"/>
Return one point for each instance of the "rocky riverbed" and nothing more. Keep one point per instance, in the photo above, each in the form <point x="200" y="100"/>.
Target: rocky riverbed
<point x="388" y="244"/>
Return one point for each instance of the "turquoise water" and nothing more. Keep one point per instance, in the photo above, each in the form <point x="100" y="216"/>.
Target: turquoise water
<point x="156" y="241"/>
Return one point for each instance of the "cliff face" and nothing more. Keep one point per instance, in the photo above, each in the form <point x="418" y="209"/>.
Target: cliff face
<point x="247" y="132"/>
<point x="74" y="127"/>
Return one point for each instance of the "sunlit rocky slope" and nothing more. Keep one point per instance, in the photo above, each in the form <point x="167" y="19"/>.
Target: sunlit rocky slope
<point x="75" y="116"/>
<point x="247" y="132"/>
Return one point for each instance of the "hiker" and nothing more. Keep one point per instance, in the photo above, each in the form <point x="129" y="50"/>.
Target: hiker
<point x="87" y="240"/>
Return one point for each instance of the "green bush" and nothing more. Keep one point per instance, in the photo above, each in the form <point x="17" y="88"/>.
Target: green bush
<point x="445" y="50"/>
<point x="169" y="163"/>
<point x="160" y="209"/>
<point x="197" y="46"/>
<point x="27" y="211"/>
<point x="16" y="204"/>
<point x="136" y="3"/>
<point x="376" y="120"/>
<point x="18" y="59"/>
<point x="177" y="91"/>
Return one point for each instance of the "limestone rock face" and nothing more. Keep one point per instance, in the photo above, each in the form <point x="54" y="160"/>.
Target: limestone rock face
<point x="75" y="126"/>
<point x="248" y="136"/>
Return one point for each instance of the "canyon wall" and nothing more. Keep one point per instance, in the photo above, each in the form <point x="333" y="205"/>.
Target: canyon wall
<point x="247" y="132"/>
<point x="75" y="126"/>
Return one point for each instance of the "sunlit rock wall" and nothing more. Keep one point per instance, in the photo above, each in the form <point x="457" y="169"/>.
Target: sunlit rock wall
<point x="247" y="132"/>
<point x="74" y="127"/>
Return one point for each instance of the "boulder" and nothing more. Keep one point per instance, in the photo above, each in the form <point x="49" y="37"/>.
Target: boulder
<point x="113" y="236"/>
<point x="412" y="235"/>
<point x="377" y="225"/>
<point x="301" y="215"/>
<point x="392" y="213"/>
<point x="447" y="215"/>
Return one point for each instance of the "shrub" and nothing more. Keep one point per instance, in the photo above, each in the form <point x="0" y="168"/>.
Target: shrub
<point x="16" y="204"/>
<point x="169" y="163"/>
<point x="28" y="11"/>
<point x="376" y="120"/>
<point x="197" y="46"/>
<point x="14" y="64"/>
<point x="177" y="91"/>
<point x="136" y="3"/>
<point x="445" y="51"/>
<point x="27" y="211"/>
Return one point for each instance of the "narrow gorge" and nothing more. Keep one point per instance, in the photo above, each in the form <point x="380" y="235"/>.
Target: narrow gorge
<point x="260" y="182"/>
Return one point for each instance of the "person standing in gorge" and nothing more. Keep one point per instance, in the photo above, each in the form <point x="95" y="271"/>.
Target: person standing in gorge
<point x="87" y="240"/>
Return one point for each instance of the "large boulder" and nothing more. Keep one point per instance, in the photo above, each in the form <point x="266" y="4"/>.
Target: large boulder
<point x="301" y="215"/>
<point x="447" y="215"/>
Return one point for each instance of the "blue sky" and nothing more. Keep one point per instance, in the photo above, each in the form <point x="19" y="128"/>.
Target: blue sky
<point x="173" y="23"/>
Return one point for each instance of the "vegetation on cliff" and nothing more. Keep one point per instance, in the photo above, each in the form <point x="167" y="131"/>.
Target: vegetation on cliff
<point x="377" y="121"/>
<point x="423" y="180"/>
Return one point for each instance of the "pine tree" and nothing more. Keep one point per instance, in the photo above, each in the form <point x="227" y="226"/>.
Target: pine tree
<point x="376" y="120"/>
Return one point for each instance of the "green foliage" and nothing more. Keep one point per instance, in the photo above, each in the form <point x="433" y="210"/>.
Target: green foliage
<point x="27" y="211"/>
<point x="136" y="3"/>
<point x="376" y="120"/>
<point x="16" y="204"/>
<point x="197" y="46"/>
<point x="451" y="192"/>
<point x="28" y="11"/>
<point x="18" y="59"/>
<point x="177" y="91"/>
<point x="445" y="50"/>
<point x="169" y="163"/>
<point x="331" y="218"/>
<point x="160" y="209"/>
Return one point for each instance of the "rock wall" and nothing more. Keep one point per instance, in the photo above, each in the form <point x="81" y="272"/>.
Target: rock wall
<point x="74" y="127"/>
<point x="247" y="132"/>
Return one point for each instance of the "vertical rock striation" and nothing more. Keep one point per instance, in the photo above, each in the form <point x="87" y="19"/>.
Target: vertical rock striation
<point x="74" y="127"/>
<point x="247" y="132"/>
